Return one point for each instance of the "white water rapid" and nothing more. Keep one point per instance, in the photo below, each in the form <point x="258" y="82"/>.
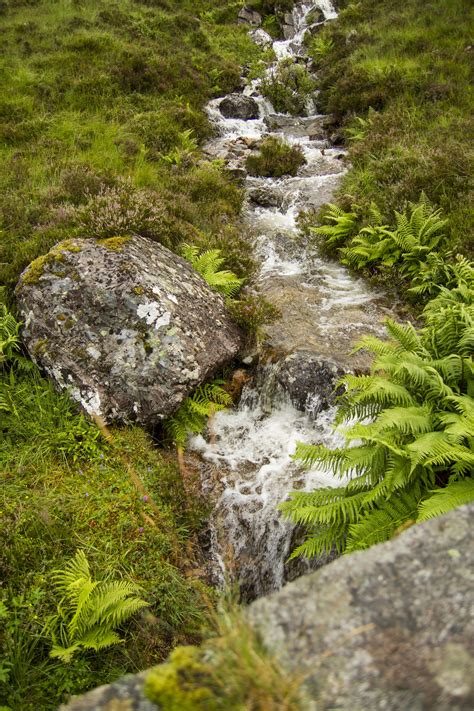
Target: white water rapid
<point x="247" y="466"/>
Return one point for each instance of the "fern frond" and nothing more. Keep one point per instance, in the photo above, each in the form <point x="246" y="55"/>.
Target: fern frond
<point x="89" y="610"/>
<point x="379" y="524"/>
<point x="208" y="264"/>
<point x="404" y="334"/>
<point x="441" y="501"/>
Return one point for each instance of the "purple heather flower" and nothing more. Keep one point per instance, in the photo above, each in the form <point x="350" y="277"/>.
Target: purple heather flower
<point x="145" y="498"/>
<point x="141" y="529"/>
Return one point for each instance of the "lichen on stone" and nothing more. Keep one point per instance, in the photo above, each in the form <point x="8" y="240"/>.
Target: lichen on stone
<point x="38" y="266"/>
<point x="115" y="244"/>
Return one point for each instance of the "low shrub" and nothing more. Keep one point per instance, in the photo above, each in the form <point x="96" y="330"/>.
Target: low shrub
<point x="289" y="88"/>
<point x="121" y="210"/>
<point x="275" y="158"/>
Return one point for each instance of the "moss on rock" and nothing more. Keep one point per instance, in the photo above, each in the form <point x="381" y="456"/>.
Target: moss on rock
<point x="38" y="267"/>
<point x="183" y="683"/>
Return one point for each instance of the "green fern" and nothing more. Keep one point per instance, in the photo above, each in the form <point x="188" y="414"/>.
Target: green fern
<point x="457" y="493"/>
<point x="418" y="232"/>
<point x="195" y="411"/>
<point x="9" y="338"/>
<point x="414" y="428"/>
<point x="208" y="264"/>
<point x="89" y="611"/>
<point x="341" y="226"/>
<point x="446" y="270"/>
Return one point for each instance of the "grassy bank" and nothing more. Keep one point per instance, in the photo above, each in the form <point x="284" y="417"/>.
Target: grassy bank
<point x="102" y="101"/>
<point x="94" y="91"/>
<point x="397" y="79"/>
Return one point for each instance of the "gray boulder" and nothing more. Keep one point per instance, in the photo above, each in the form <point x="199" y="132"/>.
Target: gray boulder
<point x="261" y="38"/>
<point x="266" y="196"/>
<point x="238" y="106"/>
<point x="126" y="325"/>
<point x="390" y="628"/>
<point x="309" y="380"/>
<point x="249" y="17"/>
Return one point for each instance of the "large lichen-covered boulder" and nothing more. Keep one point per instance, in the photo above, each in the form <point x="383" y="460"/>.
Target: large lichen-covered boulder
<point x="126" y="325"/>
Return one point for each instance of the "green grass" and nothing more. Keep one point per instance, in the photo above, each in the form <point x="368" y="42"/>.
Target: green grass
<point x="99" y="96"/>
<point x="397" y="78"/>
<point x="64" y="486"/>
<point x="102" y="90"/>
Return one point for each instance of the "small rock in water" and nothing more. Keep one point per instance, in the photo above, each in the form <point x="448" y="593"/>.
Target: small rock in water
<point x="261" y="38"/>
<point x="238" y="106"/>
<point x="309" y="380"/>
<point x="126" y="325"/>
<point x="236" y="171"/>
<point x="266" y="196"/>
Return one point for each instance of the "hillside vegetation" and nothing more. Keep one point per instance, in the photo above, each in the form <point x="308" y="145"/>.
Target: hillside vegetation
<point x="101" y="103"/>
<point x="92" y="93"/>
<point x="398" y="79"/>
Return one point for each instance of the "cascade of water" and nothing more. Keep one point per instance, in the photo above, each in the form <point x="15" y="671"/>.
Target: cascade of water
<point x="248" y="468"/>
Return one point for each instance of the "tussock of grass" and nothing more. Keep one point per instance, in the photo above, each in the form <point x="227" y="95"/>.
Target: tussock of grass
<point x="275" y="158"/>
<point x="232" y="670"/>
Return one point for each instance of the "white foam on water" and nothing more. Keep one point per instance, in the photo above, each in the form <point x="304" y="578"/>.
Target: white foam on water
<point x="251" y="448"/>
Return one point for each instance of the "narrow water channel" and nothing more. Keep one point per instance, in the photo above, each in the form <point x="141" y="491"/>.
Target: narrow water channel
<point x="246" y="465"/>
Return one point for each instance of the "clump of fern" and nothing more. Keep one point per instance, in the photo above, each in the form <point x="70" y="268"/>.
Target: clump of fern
<point x="419" y="231"/>
<point x="195" y="411"/>
<point x="338" y="228"/>
<point x="208" y="264"/>
<point x="442" y="270"/>
<point x="409" y="451"/>
<point x="89" y="611"/>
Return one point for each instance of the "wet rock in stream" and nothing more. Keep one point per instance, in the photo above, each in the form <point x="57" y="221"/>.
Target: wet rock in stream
<point x="239" y="106"/>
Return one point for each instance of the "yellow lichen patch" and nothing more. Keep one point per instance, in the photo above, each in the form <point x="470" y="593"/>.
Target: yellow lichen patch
<point x="39" y="346"/>
<point x="37" y="267"/>
<point x="138" y="290"/>
<point x="115" y="244"/>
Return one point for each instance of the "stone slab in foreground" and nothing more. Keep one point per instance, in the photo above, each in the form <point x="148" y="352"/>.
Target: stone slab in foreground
<point x="389" y="628"/>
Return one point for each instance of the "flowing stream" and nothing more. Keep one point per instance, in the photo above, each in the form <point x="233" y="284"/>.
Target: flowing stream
<point x="246" y="461"/>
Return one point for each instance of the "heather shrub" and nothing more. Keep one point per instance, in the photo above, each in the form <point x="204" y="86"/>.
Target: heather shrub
<point x="122" y="210"/>
<point x="275" y="158"/>
<point x="289" y="88"/>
